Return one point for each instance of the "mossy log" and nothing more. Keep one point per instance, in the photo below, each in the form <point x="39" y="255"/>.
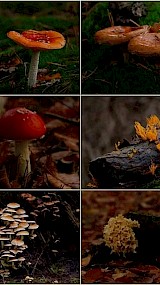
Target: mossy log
<point x="128" y="167"/>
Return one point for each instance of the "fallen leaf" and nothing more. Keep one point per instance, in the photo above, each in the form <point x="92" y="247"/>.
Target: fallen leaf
<point x="56" y="183"/>
<point x="86" y="260"/>
<point x="93" y="275"/>
<point x="46" y="77"/>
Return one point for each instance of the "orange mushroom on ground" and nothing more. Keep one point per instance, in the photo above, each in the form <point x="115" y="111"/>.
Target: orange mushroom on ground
<point x="145" y="45"/>
<point x="119" y="34"/>
<point x="37" y="41"/>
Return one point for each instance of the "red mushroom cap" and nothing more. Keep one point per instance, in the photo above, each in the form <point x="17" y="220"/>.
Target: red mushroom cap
<point x="21" y="124"/>
<point x="38" y="40"/>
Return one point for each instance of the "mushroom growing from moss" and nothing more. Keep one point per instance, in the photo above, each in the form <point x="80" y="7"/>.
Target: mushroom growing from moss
<point x="145" y="45"/>
<point x="119" y="35"/>
<point x="22" y="125"/>
<point x="37" y="41"/>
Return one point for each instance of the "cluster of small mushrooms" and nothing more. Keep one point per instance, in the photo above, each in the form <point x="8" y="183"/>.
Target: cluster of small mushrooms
<point x="46" y="204"/>
<point x="37" y="41"/>
<point x="14" y="228"/>
<point x="143" y="40"/>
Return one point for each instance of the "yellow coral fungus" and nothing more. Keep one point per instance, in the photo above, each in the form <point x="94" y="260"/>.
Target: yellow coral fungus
<point x="117" y="145"/>
<point x="140" y="131"/>
<point x="153" y="168"/>
<point x="151" y="134"/>
<point x="119" y="235"/>
<point x="158" y="146"/>
<point x="153" y="120"/>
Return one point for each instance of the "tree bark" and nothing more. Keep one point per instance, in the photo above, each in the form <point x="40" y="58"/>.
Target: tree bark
<point x="128" y="167"/>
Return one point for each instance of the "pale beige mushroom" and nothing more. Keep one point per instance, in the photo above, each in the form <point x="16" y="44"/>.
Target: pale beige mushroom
<point x="22" y="234"/>
<point x="17" y="242"/>
<point x="2" y="240"/>
<point x="7" y="219"/>
<point x="24" y="224"/>
<point x="33" y="227"/>
<point x="18" y="229"/>
<point x="13" y="205"/>
<point x="13" y="225"/>
<point x="20" y="211"/>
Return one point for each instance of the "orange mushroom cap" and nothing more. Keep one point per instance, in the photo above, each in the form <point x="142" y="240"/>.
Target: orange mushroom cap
<point x="38" y="40"/>
<point x="155" y="28"/>
<point x="118" y="34"/>
<point x="146" y="45"/>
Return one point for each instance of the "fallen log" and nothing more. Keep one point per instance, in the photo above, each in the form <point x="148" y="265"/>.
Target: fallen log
<point x="129" y="167"/>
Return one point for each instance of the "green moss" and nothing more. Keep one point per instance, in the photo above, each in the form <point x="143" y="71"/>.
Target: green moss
<point x="153" y="13"/>
<point x="95" y="20"/>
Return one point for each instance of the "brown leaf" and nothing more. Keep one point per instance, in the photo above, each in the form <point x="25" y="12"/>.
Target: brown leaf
<point x="118" y="275"/>
<point x="93" y="275"/>
<point x="86" y="260"/>
<point x="46" y="77"/>
<point x="56" y="183"/>
<point x="72" y="180"/>
<point x="67" y="109"/>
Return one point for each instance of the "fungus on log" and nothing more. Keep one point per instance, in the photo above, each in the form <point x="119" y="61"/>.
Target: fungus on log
<point x="131" y="166"/>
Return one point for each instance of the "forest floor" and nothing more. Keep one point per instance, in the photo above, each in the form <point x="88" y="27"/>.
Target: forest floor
<point x="97" y="208"/>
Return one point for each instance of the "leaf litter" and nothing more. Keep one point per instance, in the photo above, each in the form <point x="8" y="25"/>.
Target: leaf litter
<point x="98" y="265"/>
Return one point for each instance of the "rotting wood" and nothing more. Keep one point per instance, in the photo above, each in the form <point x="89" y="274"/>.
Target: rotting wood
<point x="128" y="167"/>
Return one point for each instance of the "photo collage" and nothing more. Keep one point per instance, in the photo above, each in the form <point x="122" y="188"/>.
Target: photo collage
<point x="79" y="142"/>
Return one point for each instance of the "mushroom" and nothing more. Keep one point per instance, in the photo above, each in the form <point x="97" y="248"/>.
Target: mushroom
<point x="146" y="45"/>
<point x="119" y="34"/>
<point x="22" y="125"/>
<point x="37" y="41"/>
<point x="155" y="28"/>
<point x="17" y="242"/>
<point x="33" y="227"/>
<point x="20" y="211"/>
<point x="23" y="233"/>
<point x="13" y="205"/>
<point x="23" y="224"/>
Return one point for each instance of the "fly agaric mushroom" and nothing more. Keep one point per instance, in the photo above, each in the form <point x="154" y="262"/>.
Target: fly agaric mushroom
<point x="22" y="125"/>
<point x="37" y="41"/>
<point x="118" y="34"/>
<point x="146" y="45"/>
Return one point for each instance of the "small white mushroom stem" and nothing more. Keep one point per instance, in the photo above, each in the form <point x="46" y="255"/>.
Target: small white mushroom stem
<point x="33" y="70"/>
<point x="23" y="154"/>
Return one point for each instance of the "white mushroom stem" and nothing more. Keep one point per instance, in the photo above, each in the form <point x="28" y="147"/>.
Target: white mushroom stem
<point x="23" y="154"/>
<point x="33" y="70"/>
